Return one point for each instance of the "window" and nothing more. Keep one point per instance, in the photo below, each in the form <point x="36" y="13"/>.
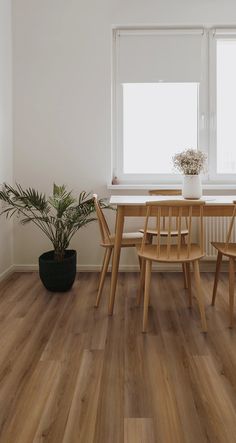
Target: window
<point x="222" y="96"/>
<point x="173" y="89"/>
<point x="226" y="101"/>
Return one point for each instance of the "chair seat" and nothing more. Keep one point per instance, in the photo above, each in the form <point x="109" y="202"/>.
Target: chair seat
<point x="164" y="233"/>
<point x="128" y="239"/>
<point x="229" y="252"/>
<point x="150" y="253"/>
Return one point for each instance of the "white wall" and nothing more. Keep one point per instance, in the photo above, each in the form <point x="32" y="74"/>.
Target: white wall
<point x="62" y="95"/>
<point x="6" y="257"/>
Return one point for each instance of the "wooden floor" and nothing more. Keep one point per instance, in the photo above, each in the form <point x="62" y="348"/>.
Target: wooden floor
<point x="70" y="374"/>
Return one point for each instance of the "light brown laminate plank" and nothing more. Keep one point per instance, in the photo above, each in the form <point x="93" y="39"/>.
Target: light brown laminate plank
<point x="81" y="421"/>
<point x="110" y="416"/>
<point x="137" y="396"/>
<point x="32" y="403"/>
<point x="138" y="430"/>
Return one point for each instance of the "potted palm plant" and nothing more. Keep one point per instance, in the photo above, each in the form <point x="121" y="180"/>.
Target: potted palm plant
<point x="59" y="217"/>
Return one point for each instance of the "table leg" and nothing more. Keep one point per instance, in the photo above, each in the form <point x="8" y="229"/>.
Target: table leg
<point x="116" y="256"/>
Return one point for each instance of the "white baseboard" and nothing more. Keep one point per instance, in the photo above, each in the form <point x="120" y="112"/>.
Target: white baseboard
<point x="205" y="265"/>
<point x="26" y="268"/>
<point x="7" y="272"/>
<point x="97" y="268"/>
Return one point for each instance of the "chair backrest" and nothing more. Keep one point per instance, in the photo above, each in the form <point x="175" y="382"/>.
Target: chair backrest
<point x="104" y="229"/>
<point x="229" y="233"/>
<point x="167" y="192"/>
<point x="174" y="209"/>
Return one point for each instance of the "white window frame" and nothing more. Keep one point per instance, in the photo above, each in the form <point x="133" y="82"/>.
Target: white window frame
<point x="207" y="112"/>
<point x="117" y="106"/>
<point x="214" y="35"/>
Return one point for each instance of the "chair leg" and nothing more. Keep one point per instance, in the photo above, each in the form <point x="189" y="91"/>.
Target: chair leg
<point x="217" y="273"/>
<point x="199" y="295"/>
<point x="188" y="269"/>
<point x="184" y="267"/>
<point x="141" y="284"/>
<point x="142" y="273"/>
<point x="185" y="275"/>
<point x="231" y="291"/>
<point x="105" y="265"/>
<point x="100" y="275"/>
<point x="146" y="293"/>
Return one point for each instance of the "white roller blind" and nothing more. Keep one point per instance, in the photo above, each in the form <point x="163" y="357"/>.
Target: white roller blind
<point x="144" y="56"/>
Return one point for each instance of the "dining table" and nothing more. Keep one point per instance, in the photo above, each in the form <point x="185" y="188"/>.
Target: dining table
<point x="135" y="206"/>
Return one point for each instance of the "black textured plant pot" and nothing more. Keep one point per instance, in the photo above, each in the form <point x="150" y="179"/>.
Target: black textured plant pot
<point x="58" y="276"/>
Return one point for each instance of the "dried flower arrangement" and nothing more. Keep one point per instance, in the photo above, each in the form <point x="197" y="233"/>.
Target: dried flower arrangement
<point x="190" y="162"/>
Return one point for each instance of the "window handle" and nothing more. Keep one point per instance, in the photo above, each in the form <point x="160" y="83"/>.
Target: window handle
<point x="203" y="122"/>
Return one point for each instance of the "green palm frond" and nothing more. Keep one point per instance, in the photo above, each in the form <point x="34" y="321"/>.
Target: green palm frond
<point x="28" y="198"/>
<point x="29" y="219"/>
<point x="61" y="200"/>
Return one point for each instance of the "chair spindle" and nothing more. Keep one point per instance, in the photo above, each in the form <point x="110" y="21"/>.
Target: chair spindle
<point x="169" y="231"/>
<point x="190" y="210"/>
<point x="179" y="230"/>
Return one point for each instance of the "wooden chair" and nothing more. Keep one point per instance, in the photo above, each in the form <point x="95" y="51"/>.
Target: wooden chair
<point x="229" y="250"/>
<point x="129" y="240"/>
<point x="164" y="228"/>
<point x="173" y="253"/>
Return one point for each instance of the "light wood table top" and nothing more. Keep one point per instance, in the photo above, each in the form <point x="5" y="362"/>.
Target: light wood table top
<point x="130" y="200"/>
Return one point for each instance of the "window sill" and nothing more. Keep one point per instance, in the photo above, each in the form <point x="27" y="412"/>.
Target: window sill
<point x="146" y="187"/>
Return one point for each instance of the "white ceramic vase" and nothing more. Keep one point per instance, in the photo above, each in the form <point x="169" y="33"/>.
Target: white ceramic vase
<point x="192" y="187"/>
